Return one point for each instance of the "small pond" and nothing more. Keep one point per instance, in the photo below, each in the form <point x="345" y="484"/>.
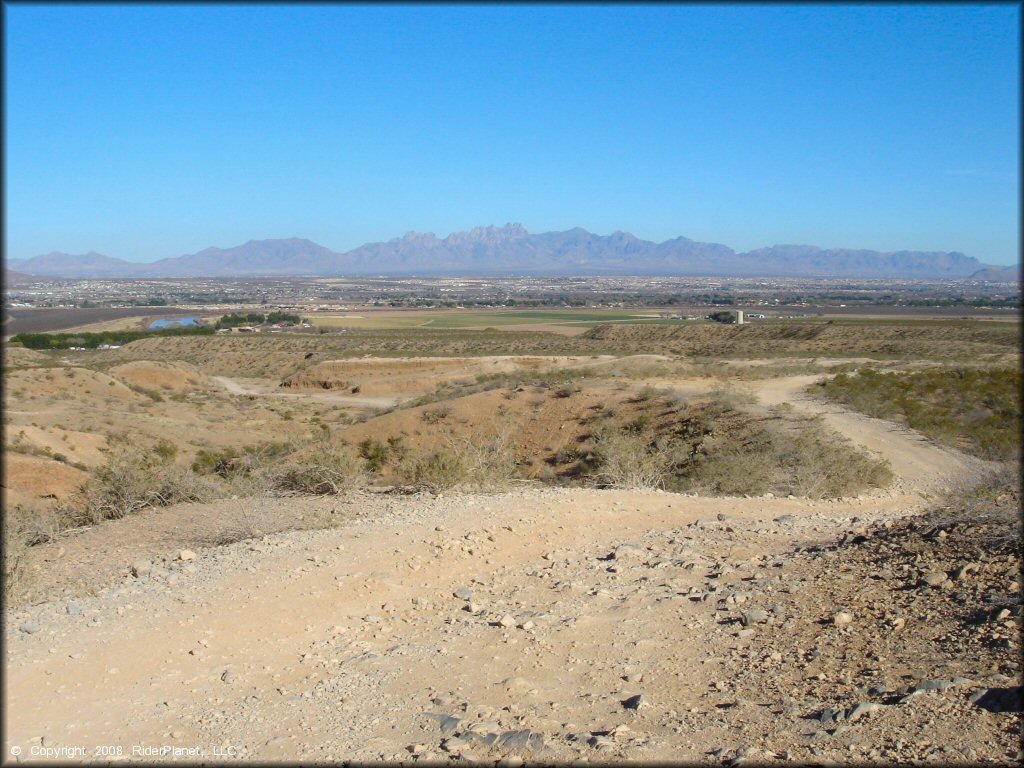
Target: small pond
<point x="173" y="322"/>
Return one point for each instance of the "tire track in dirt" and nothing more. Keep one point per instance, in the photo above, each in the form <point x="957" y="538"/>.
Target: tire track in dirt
<point x="236" y="388"/>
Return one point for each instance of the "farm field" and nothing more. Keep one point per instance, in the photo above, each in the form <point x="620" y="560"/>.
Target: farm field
<point x="382" y="319"/>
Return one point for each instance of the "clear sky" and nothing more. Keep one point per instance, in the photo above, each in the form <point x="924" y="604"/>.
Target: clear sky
<point x="145" y="131"/>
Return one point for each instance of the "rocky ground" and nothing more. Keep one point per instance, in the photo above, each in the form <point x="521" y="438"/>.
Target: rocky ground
<point x="552" y="625"/>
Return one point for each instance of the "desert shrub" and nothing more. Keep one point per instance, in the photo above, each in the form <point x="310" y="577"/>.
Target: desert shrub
<point x="152" y="394"/>
<point x="825" y="464"/>
<point x="35" y="525"/>
<point x="374" y="452"/>
<point x="439" y="471"/>
<point x="640" y="423"/>
<point x="165" y="449"/>
<point x="796" y="457"/>
<point x="21" y="531"/>
<point x="488" y="458"/>
<point x="723" y="466"/>
<point x="210" y="462"/>
<point x="435" y="415"/>
<point x="397" y="447"/>
<point x="645" y="394"/>
<point x="129" y="482"/>
<point x="322" y="468"/>
<point x="728" y="399"/>
<point x="230" y="462"/>
<point x="627" y="460"/>
<point x="678" y="402"/>
<point x="481" y="460"/>
<point x="566" y="455"/>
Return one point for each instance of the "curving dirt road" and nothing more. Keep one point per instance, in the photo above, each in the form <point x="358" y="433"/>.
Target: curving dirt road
<point x="919" y="464"/>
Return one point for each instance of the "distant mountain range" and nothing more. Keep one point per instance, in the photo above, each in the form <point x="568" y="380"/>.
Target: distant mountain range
<point x="511" y="250"/>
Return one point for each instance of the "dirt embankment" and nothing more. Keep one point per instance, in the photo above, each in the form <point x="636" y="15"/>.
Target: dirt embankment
<point x="170" y="376"/>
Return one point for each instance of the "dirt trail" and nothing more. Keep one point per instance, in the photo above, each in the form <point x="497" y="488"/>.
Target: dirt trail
<point x="528" y="619"/>
<point x="237" y="388"/>
<point x="918" y="463"/>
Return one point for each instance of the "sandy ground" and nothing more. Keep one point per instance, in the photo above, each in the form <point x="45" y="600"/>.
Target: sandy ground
<point x="471" y="627"/>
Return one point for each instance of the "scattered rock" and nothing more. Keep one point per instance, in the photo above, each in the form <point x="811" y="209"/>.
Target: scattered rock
<point x="999" y="699"/>
<point x="635" y="702"/>
<point x="860" y="710"/>
<point x="141" y="568"/>
<point x="828" y="716"/>
<point x="520" y="741"/>
<point x="626" y="551"/>
<point x="601" y="742"/>
<point x="455" y="744"/>
<point x="30" y="627"/>
<point x="939" y="684"/>
<point x="842" y="618"/>
<point x="965" y="569"/>
<point x="754" y="616"/>
<point x="186" y="555"/>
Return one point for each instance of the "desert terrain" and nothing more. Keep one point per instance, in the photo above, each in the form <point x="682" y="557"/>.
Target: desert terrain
<point x="640" y="542"/>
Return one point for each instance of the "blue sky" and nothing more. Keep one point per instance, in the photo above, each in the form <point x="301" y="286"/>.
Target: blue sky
<point x="144" y="131"/>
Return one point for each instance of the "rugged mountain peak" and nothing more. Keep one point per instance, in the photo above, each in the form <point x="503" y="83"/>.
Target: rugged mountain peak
<point x="417" y="237"/>
<point x="488" y="234"/>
